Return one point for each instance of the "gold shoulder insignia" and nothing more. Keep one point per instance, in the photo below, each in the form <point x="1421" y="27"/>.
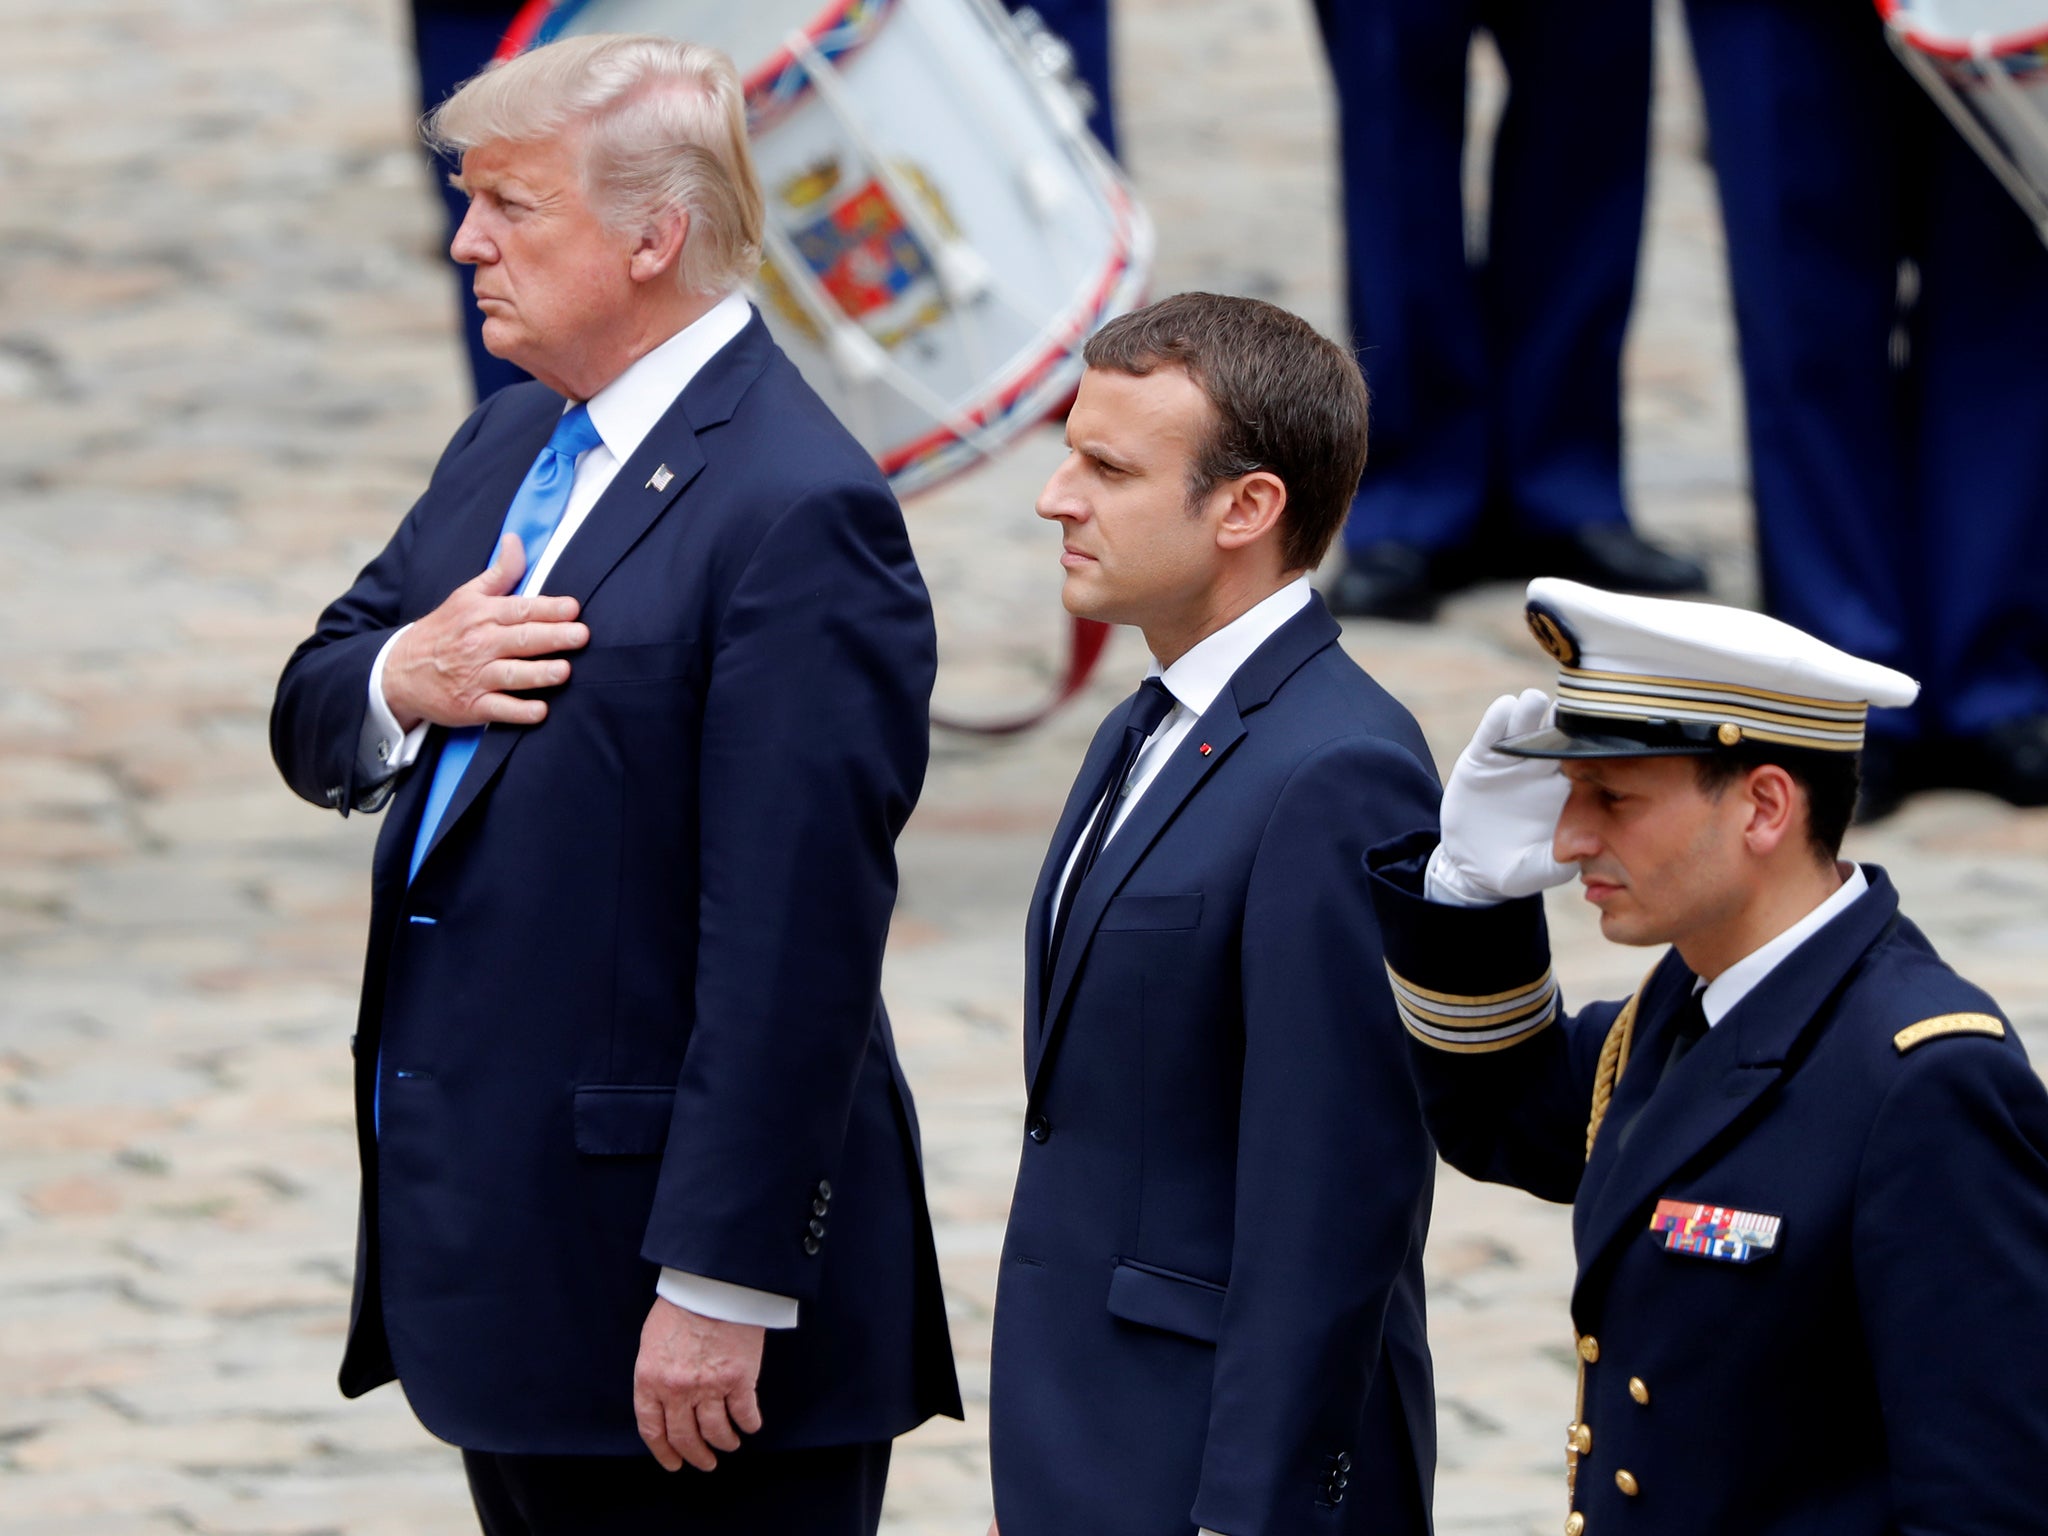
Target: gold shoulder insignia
<point x="1948" y="1024"/>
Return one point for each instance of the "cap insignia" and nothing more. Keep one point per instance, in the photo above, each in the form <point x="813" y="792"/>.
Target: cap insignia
<point x="1552" y="634"/>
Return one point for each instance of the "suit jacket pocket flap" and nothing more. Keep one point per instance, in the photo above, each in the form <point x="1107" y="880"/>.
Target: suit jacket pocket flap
<point x="628" y="663"/>
<point x="1160" y="1298"/>
<point x="623" y="1122"/>
<point x="1137" y="913"/>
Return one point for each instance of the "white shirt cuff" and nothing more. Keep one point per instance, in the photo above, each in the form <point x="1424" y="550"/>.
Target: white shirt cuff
<point x="383" y="748"/>
<point x="726" y="1302"/>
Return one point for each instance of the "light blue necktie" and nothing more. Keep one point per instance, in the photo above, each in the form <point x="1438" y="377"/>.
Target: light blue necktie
<point x="542" y="497"/>
<point x="536" y="508"/>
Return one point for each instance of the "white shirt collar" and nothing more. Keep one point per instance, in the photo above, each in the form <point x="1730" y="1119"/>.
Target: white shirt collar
<point x="626" y="409"/>
<point x="1197" y="677"/>
<point x="1745" y="975"/>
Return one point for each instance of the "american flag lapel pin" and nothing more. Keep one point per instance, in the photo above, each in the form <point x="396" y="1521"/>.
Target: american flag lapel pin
<point x="658" y="481"/>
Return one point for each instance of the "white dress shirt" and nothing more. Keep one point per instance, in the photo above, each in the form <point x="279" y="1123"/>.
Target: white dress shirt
<point x="1194" y="681"/>
<point x="1745" y="975"/>
<point x="623" y="412"/>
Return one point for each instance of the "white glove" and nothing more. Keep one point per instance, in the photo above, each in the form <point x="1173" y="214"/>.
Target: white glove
<point x="1499" y="814"/>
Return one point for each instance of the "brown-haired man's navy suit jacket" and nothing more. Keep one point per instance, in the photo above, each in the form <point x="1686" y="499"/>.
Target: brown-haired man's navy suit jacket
<point x="1210" y="1307"/>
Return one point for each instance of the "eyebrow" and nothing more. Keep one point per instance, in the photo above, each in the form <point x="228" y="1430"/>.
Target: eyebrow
<point x="1096" y="450"/>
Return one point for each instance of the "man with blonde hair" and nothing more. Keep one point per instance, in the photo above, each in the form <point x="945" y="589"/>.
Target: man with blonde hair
<point x="640" y="1169"/>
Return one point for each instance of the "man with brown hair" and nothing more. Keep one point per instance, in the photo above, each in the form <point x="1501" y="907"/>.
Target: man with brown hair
<point x="1807" y="1161"/>
<point x="1210" y="1306"/>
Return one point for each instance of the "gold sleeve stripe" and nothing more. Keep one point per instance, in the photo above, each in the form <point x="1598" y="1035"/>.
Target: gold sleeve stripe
<point x="1468" y="1024"/>
<point x="1510" y="998"/>
<point x="1473" y="1042"/>
<point x="1473" y="1018"/>
<point x="1948" y="1024"/>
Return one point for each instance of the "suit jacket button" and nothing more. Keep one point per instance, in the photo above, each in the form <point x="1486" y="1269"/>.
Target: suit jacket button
<point x="1038" y="1128"/>
<point x="811" y="1246"/>
<point x="817" y="1229"/>
<point x="1589" y="1349"/>
<point x="1638" y="1390"/>
<point x="1625" y="1480"/>
<point x="820" y="1207"/>
<point x="334" y="793"/>
<point x="824" y="1189"/>
<point x="1343" y="1461"/>
<point x="1574" y="1524"/>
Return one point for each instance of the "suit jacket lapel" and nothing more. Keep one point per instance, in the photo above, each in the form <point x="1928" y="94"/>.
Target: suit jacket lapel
<point x="1220" y="728"/>
<point x="1741" y="1058"/>
<point x="1038" y="921"/>
<point x="630" y="505"/>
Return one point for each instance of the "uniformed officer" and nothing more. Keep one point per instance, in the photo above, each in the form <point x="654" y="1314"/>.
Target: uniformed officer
<point x="1808" y="1162"/>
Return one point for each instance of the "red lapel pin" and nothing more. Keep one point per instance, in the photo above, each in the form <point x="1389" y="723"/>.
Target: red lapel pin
<point x="1205" y="749"/>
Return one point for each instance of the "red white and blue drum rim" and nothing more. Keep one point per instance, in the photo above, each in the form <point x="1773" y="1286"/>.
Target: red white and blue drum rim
<point x="838" y="32"/>
<point x="2001" y="46"/>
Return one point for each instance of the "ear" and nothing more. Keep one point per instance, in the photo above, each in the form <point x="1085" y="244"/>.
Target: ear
<point x="1252" y="511"/>
<point x="659" y="248"/>
<point x="1775" y="807"/>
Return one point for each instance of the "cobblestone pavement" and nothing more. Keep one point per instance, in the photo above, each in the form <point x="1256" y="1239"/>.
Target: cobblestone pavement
<point x="226" y="363"/>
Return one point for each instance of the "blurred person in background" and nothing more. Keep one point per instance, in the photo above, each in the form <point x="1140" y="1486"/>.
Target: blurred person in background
<point x="1495" y="373"/>
<point x="1892" y="306"/>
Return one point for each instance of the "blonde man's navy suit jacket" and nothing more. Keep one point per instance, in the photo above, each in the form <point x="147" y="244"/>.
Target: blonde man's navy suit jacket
<point x="1210" y="1305"/>
<point x="629" y="1009"/>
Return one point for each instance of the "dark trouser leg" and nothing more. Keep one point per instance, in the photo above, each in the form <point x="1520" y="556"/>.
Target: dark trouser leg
<point x="1979" y="408"/>
<point x="834" y="1491"/>
<point x="1569" y="168"/>
<point x="1399" y="71"/>
<point x="1804" y="106"/>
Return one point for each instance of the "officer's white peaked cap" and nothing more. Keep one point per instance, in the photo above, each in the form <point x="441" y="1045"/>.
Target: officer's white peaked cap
<point x="1654" y="677"/>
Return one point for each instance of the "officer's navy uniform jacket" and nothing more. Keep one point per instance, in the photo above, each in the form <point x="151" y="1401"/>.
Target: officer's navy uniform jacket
<point x="1210" y="1310"/>
<point x="1812" y="1290"/>
<point x="629" y="1010"/>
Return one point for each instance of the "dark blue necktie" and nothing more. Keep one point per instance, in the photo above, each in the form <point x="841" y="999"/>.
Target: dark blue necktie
<point x="1152" y="705"/>
<point x="537" y="507"/>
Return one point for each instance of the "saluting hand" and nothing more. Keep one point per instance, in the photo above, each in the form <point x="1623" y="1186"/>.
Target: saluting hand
<point x="1500" y="813"/>
<point x="693" y="1385"/>
<point x="462" y="663"/>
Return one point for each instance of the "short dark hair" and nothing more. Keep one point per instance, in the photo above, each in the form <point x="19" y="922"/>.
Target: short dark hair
<point x="1830" y="779"/>
<point x="1287" y="400"/>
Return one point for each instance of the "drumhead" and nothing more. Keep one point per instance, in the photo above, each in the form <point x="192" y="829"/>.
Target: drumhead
<point x="1952" y="25"/>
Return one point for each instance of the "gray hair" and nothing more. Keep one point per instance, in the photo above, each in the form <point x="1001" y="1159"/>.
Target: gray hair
<point x="664" y="127"/>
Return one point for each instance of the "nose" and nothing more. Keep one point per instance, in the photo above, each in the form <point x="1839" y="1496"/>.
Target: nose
<point x="1574" y="841"/>
<point x="471" y="245"/>
<point x="1058" y="500"/>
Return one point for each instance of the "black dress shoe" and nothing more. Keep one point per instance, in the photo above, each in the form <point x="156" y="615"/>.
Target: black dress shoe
<point x="1614" y="556"/>
<point x="2010" y="761"/>
<point x="1385" y="581"/>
